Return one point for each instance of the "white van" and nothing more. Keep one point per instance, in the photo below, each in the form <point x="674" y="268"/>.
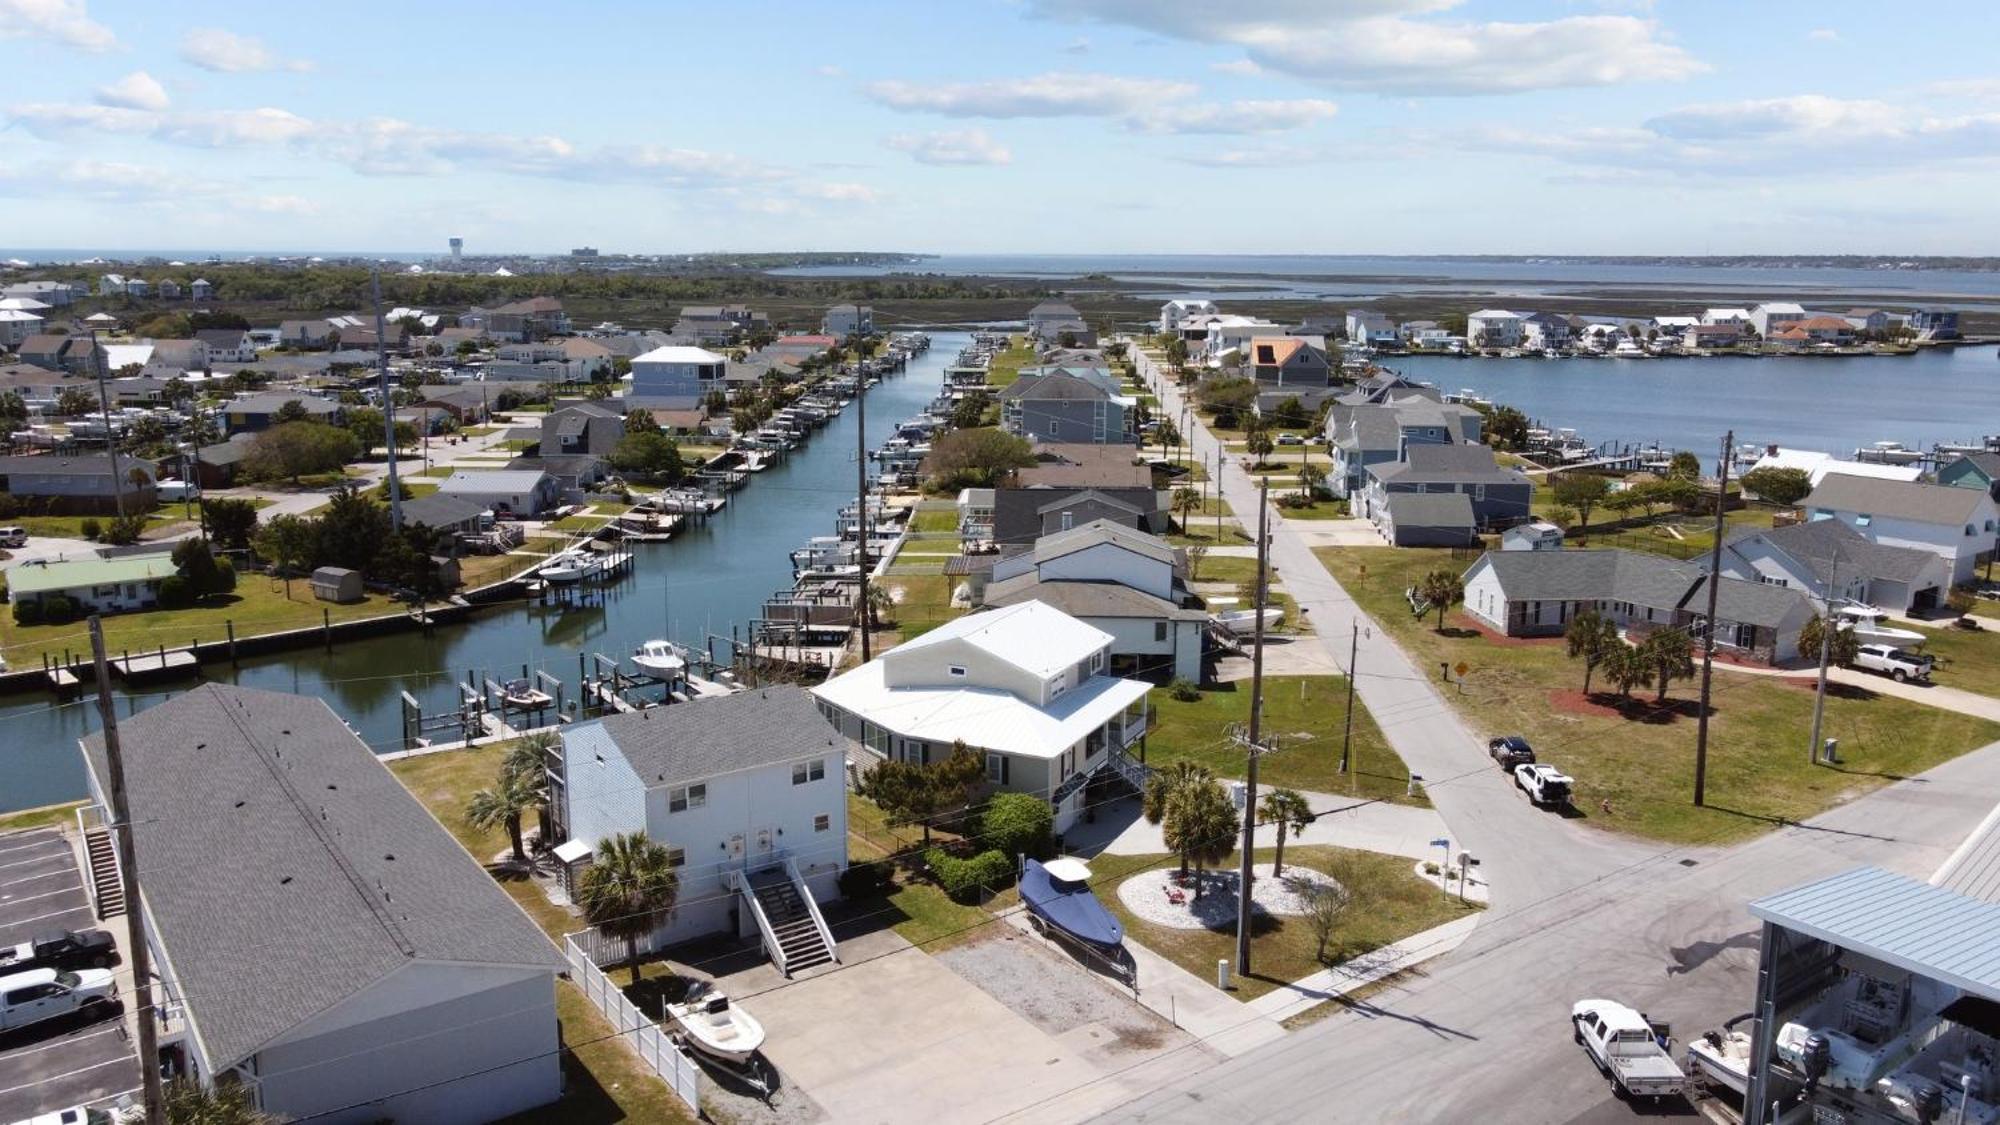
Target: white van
<point x="178" y="490"/>
<point x="13" y="536"/>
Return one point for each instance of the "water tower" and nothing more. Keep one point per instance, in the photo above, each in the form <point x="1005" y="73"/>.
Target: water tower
<point x="457" y="249"/>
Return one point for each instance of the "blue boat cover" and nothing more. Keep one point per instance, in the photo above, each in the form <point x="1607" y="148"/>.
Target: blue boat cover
<point x="1069" y="907"/>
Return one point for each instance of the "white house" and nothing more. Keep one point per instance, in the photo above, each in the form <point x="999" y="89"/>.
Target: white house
<point x="1774" y="315"/>
<point x="747" y="791"/>
<point x="1817" y="465"/>
<point x="1828" y="559"/>
<point x="843" y="321"/>
<point x="1234" y="333"/>
<point x="1535" y="535"/>
<point x="1174" y="313"/>
<point x="1737" y="317"/>
<point x="17" y="325"/>
<point x="678" y="373"/>
<point x="522" y="493"/>
<point x="1538" y="593"/>
<point x="1372" y="329"/>
<point x="1121" y="580"/>
<point x="1026" y="685"/>
<point x="129" y="582"/>
<point x="319" y="938"/>
<point x="1493" y="328"/>
<point x="1959" y="525"/>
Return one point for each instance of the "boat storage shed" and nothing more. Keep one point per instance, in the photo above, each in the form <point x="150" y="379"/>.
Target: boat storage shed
<point x="1893" y="983"/>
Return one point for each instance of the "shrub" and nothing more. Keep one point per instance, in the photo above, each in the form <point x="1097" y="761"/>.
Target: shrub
<point x="28" y="612"/>
<point x="1017" y="824"/>
<point x="125" y="529"/>
<point x="58" y="610"/>
<point x="90" y="527"/>
<point x="225" y="577"/>
<point x="175" y="592"/>
<point x="964" y="879"/>
<point x="1182" y="690"/>
<point x="864" y="880"/>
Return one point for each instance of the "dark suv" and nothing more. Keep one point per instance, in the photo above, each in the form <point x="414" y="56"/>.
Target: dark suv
<point x="1511" y="751"/>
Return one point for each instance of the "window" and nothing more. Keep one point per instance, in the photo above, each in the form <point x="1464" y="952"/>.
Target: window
<point x="1068" y="520"/>
<point x="687" y="797"/>
<point x="1863" y="519"/>
<point x="1159" y="630"/>
<point x="996" y="768"/>
<point x="803" y="772"/>
<point x="1772" y="580"/>
<point x="955" y="669"/>
<point x="822" y="822"/>
<point x="677" y="857"/>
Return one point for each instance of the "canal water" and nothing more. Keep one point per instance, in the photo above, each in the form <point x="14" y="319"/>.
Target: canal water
<point x="706" y="579"/>
<point x="1831" y="404"/>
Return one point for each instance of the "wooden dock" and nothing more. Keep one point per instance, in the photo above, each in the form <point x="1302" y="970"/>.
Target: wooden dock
<point x="157" y="665"/>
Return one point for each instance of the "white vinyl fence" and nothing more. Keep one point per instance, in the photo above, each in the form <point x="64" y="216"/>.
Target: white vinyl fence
<point x="659" y="1052"/>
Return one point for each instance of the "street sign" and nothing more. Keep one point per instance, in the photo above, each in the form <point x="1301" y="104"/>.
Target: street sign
<point x="1461" y="668"/>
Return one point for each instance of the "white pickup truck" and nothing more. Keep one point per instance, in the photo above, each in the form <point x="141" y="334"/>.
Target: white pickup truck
<point x="1897" y="663"/>
<point x="1627" y="1049"/>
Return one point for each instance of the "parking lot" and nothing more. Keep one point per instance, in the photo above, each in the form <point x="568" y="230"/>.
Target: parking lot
<point x="50" y="1068"/>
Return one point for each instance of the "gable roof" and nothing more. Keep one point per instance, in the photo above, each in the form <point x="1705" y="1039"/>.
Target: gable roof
<point x="1088" y="599"/>
<point x="41" y="577"/>
<point x="1098" y="532"/>
<point x="440" y="509"/>
<point x="724" y="734"/>
<point x="1642" y="579"/>
<point x="300" y="871"/>
<point x="1032" y="636"/>
<point x="1909" y="500"/>
<point x="1431" y="509"/>
<point x="493" y="480"/>
<point x="1986" y="465"/>
<point x="1827" y="548"/>
<point x="1447" y="464"/>
<point x="1271" y="351"/>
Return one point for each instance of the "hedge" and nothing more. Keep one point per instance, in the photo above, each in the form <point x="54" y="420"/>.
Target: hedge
<point x="1017" y="824"/>
<point x="965" y="879"/>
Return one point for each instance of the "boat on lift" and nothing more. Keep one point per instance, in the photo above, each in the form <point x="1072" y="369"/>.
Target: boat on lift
<point x="563" y="568"/>
<point x="664" y="659"/>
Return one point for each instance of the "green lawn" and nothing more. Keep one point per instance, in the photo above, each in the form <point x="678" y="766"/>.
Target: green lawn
<point x="922" y="601"/>
<point x="1006" y="367"/>
<point x="1304" y="715"/>
<point x="1228" y="568"/>
<point x="606" y="1083"/>
<point x="1965" y="659"/>
<point x="1389" y="902"/>
<point x="935" y="519"/>
<point x="259" y="605"/>
<point x="1317" y="510"/>
<point x="1203" y="535"/>
<point x="71" y="527"/>
<point x="39" y="818"/>
<point x="1636" y="774"/>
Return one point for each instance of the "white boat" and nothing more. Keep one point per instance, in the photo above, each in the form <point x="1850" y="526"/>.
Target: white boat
<point x="715" y="1027"/>
<point x="756" y="460"/>
<point x="562" y="568"/>
<point x="1871" y="626"/>
<point x="664" y="659"/>
<point x="1722" y="1058"/>
<point x="1243" y="622"/>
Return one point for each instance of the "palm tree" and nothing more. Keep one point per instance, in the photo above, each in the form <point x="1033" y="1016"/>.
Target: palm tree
<point x="1201" y="824"/>
<point x="504" y="803"/>
<point x="1287" y="809"/>
<point x="1311" y="477"/>
<point x="1626" y="668"/>
<point x="1668" y="655"/>
<point x="629" y="890"/>
<point x="188" y="1102"/>
<point x="530" y="757"/>
<point x="1164" y="784"/>
<point x="1591" y="635"/>
<point x="880" y="601"/>
<point x="1186" y="500"/>
<point x="1441" y="589"/>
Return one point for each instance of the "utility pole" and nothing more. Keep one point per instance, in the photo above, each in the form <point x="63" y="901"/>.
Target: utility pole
<point x="1708" y="638"/>
<point x="861" y="512"/>
<point x="1825" y="657"/>
<point x="1353" y="655"/>
<point x="104" y="411"/>
<point x="388" y="402"/>
<point x="1252" y="745"/>
<point x="128" y="872"/>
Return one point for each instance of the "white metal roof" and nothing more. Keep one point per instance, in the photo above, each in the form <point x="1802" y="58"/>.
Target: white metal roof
<point x="1974" y="869"/>
<point x="493" y="480"/>
<point x="984" y="717"/>
<point x="1817" y="465"/>
<point x="675" y="353"/>
<point x="1033" y="636"/>
<point x="1928" y="930"/>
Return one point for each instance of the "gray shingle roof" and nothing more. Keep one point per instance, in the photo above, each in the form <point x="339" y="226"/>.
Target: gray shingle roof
<point x="1642" y="579"/>
<point x="286" y="869"/>
<point x="709" y="737"/>
<point x="1432" y="509"/>
<point x="1095" y="532"/>
<point x="440" y="510"/>
<point x="1816" y="543"/>
<point x="1447" y="464"/>
<point x="1910" y="500"/>
<point x="1088" y="599"/>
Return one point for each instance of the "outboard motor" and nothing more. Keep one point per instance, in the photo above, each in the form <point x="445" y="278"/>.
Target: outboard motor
<point x="1815" y="1056"/>
<point x="1928" y="1098"/>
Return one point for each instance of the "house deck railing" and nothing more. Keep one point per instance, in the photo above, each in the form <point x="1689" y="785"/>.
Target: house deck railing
<point x="812" y="908"/>
<point x="740" y="880"/>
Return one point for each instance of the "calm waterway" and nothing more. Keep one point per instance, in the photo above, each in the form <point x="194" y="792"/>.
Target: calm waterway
<point x="704" y="580"/>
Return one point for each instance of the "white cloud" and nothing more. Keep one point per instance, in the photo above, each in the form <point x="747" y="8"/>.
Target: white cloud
<point x="1389" y="45"/>
<point x="1239" y="117"/>
<point x="1276" y="156"/>
<point x="64" y="21"/>
<point x="1043" y="95"/>
<point x="225" y="52"/>
<point x="1802" y="114"/>
<point x="137" y="90"/>
<point x="839" y="192"/>
<point x="1823" y="35"/>
<point x="966" y="146"/>
<point x="140" y="185"/>
<point x="1242" y="68"/>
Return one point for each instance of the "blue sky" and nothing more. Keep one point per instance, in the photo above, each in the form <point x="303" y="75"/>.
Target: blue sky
<point x="1254" y="126"/>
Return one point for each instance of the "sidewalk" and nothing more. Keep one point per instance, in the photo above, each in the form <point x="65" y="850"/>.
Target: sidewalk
<point x="1303" y="995"/>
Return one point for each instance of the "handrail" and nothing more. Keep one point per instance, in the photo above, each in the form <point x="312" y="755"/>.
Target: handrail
<point x="771" y="946"/>
<point x="812" y="907"/>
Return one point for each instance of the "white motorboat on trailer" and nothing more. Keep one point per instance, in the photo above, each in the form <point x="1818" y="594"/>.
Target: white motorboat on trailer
<point x="664" y="659"/>
<point x="1871" y="626"/>
<point x="1722" y="1057"/>
<point x="1243" y="622"/>
<point x="715" y="1027"/>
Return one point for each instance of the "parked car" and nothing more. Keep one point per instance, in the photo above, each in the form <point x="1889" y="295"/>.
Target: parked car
<point x="1628" y="1049"/>
<point x="82" y="1115"/>
<point x="45" y="994"/>
<point x="1290" y="439"/>
<point x="13" y="537"/>
<point x="64" y="949"/>
<point x="1899" y="664"/>
<point x="1545" y="785"/>
<point x="1510" y="751"/>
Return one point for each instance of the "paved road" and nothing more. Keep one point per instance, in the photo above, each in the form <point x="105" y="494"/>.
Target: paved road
<point x="1481" y="1035"/>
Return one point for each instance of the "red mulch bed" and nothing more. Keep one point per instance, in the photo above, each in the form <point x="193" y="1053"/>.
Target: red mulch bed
<point x="1460" y="620"/>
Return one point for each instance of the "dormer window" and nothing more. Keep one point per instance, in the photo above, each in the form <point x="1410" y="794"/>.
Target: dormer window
<point x="955" y="669"/>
